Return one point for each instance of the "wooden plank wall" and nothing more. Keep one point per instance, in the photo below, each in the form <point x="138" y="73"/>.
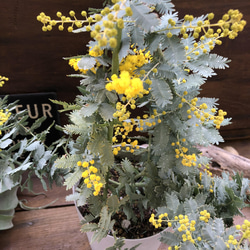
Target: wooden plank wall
<point x="33" y="60"/>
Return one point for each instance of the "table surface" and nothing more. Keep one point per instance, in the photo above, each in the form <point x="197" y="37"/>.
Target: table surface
<point x="58" y="227"/>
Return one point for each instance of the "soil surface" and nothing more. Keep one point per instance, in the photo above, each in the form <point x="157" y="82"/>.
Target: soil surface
<point x="129" y="229"/>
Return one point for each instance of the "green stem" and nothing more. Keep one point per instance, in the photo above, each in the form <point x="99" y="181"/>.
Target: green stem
<point x="149" y="146"/>
<point x="114" y="182"/>
<point x="141" y="184"/>
<point x="105" y="191"/>
<point x="110" y="131"/>
<point x="115" y="70"/>
<point x="140" y="174"/>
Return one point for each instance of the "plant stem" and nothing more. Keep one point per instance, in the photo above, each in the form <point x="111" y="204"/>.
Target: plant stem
<point x="141" y="184"/>
<point x="105" y="191"/>
<point x="115" y="70"/>
<point x="114" y="182"/>
<point x="149" y="146"/>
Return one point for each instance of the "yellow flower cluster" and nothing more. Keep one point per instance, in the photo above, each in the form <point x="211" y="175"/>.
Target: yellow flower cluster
<point x="231" y="240"/>
<point x="205" y="216"/>
<point x="202" y="113"/>
<point x="158" y="222"/>
<point x="149" y="120"/>
<point x="3" y="79"/>
<point x="96" y="51"/>
<point x="206" y="170"/>
<point x="187" y="160"/>
<point x="209" y="34"/>
<point x="130" y="146"/>
<point x="201" y="47"/>
<point x="245" y="233"/>
<point x="104" y="33"/>
<point x="187" y="227"/>
<point x="132" y="62"/>
<point x="4" y="116"/>
<point x="107" y="31"/>
<point x="127" y="85"/>
<point x="229" y="26"/>
<point x="90" y="177"/>
<point x="121" y="109"/>
<point x="48" y="23"/>
<point x="126" y="127"/>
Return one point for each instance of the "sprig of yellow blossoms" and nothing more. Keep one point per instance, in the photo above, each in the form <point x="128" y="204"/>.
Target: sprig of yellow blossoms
<point x="188" y="228"/>
<point x="187" y="159"/>
<point x="3" y="79"/>
<point x="209" y="34"/>
<point x="201" y="112"/>
<point x="4" y="114"/>
<point x="208" y="173"/>
<point x="104" y="32"/>
<point x="91" y="179"/>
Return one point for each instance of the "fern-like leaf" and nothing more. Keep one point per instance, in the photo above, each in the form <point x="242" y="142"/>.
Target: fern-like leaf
<point x="152" y="41"/>
<point x="105" y="224"/>
<point x="137" y="37"/>
<point x="86" y="63"/>
<point x="208" y="235"/>
<point x="172" y="201"/>
<point x="67" y="161"/>
<point x="164" y="6"/>
<point x="170" y="238"/>
<point x="100" y="146"/>
<point x="66" y="106"/>
<point x="125" y="46"/>
<point x="89" y="109"/>
<point x="214" y="61"/>
<point x="89" y="227"/>
<point x="164" y="24"/>
<point x="144" y="17"/>
<point x="201" y="69"/>
<point x="73" y="129"/>
<point x="106" y="111"/>
<point x="190" y="206"/>
<point x="175" y="53"/>
<point x="160" y="139"/>
<point x="218" y="226"/>
<point x="73" y="178"/>
<point x="113" y="203"/>
<point x="161" y="92"/>
<point x="106" y="155"/>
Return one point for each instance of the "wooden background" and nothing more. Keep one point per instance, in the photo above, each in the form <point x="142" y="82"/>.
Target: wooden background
<point x="32" y="59"/>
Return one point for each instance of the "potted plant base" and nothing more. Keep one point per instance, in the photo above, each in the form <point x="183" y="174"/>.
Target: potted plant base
<point x="151" y="242"/>
<point x="145" y="243"/>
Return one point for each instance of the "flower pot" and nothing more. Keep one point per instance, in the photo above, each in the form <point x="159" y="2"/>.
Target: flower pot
<point x="8" y="203"/>
<point x="148" y="243"/>
<point x="152" y="242"/>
